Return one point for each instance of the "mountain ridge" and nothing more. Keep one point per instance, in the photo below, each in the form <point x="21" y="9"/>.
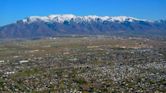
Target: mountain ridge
<point x="68" y="17"/>
<point x="69" y="24"/>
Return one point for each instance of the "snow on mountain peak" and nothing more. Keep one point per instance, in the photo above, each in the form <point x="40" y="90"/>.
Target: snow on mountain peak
<point x="68" y="17"/>
<point x="65" y="16"/>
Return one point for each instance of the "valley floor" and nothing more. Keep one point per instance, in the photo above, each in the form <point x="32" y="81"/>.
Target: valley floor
<point x="83" y="65"/>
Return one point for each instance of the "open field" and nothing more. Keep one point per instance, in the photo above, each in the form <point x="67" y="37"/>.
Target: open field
<point x="83" y="65"/>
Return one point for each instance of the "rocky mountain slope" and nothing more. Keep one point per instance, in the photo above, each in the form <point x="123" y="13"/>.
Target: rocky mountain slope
<point x="68" y="24"/>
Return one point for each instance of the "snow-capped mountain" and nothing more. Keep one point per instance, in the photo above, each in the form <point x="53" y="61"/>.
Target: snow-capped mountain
<point x="78" y="19"/>
<point x="68" y="24"/>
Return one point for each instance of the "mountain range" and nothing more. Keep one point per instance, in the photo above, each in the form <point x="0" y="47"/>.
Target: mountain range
<point x="68" y="24"/>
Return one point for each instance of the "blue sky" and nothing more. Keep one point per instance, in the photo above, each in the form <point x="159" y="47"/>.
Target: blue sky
<point x="12" y="10"/>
